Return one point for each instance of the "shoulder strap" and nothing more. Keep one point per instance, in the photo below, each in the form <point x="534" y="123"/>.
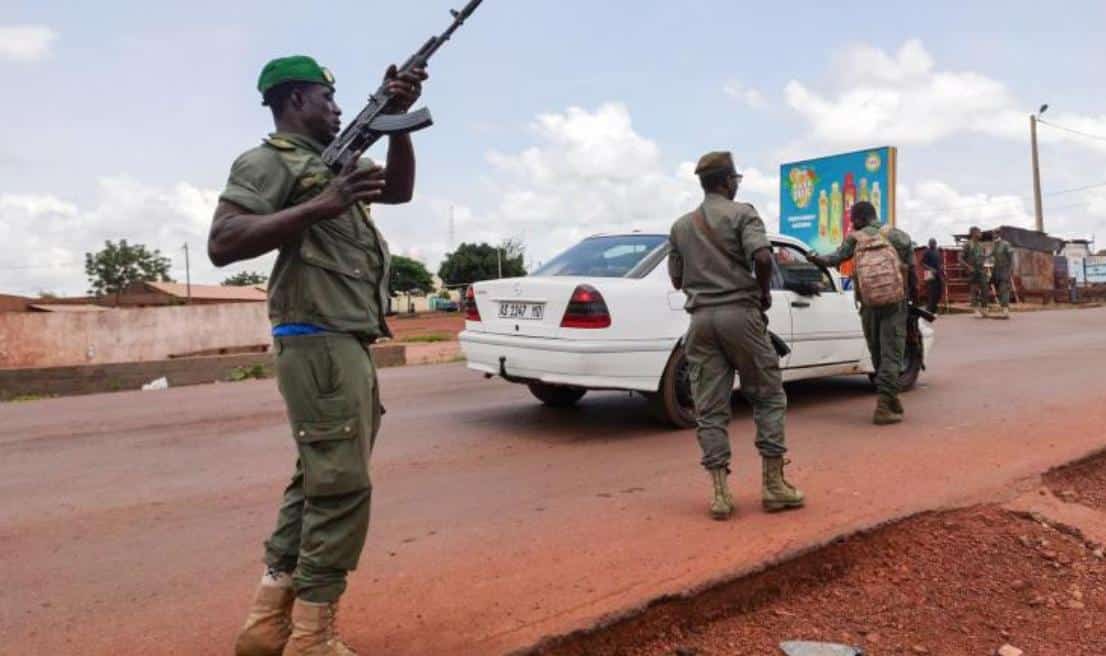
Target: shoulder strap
<point x="699" y="220"/>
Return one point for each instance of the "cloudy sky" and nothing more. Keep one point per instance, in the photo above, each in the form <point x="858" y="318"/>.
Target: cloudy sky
<point x="555" y="118"/>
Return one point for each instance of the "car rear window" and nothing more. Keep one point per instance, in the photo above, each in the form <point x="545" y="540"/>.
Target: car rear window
<point x="602" y="257"/>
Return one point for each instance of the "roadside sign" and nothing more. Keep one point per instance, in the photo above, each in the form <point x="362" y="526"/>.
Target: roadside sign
<point x="817" y="194"/>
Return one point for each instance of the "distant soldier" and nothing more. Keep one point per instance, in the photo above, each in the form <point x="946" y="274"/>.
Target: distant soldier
<point x="1002" y="256"/>
<point x="974" y="258"/>
<point x="721" y="258"/>
<point x="934" y="275"/>
<point x="327" y="300"/>
<point x="885" y="280"/>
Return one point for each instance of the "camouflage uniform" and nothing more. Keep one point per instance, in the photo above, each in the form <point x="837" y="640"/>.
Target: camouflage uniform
<point x="884" y="326"/>
<point x="975" y="257"/>
<point x="1002" y="254"/>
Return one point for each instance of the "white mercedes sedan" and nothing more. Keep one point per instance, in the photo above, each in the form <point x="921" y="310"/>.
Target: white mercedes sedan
<point x="603" y="316"/>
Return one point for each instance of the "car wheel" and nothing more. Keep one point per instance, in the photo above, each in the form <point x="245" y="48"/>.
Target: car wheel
<point x="672" y="403"/>
<point x="556" y="396"/>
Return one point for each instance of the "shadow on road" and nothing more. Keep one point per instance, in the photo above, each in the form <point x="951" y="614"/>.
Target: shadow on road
<point x="620" y="416"/>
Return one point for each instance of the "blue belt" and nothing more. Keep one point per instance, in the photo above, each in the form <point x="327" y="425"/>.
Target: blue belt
<point x="296" y="329"/>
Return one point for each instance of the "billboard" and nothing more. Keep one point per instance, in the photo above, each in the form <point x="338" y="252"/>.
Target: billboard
<point x="817" y="194"/>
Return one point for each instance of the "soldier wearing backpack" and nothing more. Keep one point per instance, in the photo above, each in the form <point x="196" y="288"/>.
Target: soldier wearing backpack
<point x="884" y="262"/>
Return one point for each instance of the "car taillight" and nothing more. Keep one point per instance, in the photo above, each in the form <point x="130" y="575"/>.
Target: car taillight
<point x="472" y="313"/>
<point x="586" y="309"/>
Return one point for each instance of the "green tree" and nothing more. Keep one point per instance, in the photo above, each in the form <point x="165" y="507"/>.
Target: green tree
<point x="246" y="279"/>
<point x="475" y="262"/>
<point x="116" y="266"/>
<point x="409" y="276"/>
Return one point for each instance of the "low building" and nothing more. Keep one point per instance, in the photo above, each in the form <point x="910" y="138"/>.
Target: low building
<point x="1034" y="270"/>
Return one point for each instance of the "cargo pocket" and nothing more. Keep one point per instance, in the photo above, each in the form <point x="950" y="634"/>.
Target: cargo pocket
<point x="332" y="456"/>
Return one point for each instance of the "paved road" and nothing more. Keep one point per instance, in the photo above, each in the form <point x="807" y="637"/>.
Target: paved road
<point x="131" y="523"/>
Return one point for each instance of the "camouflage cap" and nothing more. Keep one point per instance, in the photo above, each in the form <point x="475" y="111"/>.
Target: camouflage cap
<point x="718" y="161"/>
<point x="297" y="68"/>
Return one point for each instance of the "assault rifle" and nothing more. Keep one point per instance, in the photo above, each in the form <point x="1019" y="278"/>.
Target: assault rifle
<point x="372" y="123"/>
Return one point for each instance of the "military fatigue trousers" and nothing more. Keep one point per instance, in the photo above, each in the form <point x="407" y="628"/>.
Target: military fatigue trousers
<point x="720" y="341"/>
<point x="885" y="332"/>
<point x="1002" y="287"/>
<point x="977" y="290"/>
<point x="329" y="386"/>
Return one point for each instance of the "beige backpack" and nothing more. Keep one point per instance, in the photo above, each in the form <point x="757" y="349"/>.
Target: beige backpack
<point x="879" y="276"/>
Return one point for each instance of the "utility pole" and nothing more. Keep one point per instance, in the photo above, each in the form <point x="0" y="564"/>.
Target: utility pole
<point x="1038" y="211"/>
<point x="187" y="276"/>
<point x="499" y="259"/>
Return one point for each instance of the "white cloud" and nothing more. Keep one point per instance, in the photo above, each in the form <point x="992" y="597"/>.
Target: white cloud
<point x="903" y="98"/>
<point x="747" y="95"/>
<point x="588" y="171"/>
<point x="592" y="172"/>
<point x="931" y="208"/>
<point x="43" y="238"/>
<point x="26" y="42"/>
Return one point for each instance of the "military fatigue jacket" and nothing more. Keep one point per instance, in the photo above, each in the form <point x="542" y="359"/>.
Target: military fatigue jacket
<point x="707" y="276"/>
<point x="974" y="256"/>
<point x="335" y="274"/>
<point x="1002" y="254"/>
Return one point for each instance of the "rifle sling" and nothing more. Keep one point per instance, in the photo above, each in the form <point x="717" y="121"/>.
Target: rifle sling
<point x="699" y="220"/>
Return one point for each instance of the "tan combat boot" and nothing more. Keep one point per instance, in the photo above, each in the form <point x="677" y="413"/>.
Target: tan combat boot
<point x="269" y="623"/>
<point x="1005" y="313"/>
<point x="980" y="312"/>
<point x="721" y="507"/>
<point x="314" y="632"/>
<point x="895" y="405"/>
<point x="885" y="413"/>
<point x="776" y="493"/>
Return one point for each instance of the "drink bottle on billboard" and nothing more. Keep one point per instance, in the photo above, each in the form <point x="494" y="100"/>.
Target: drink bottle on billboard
<point x="876" y="199"/>
<point x="837" y="212"/>
<point x="864" y="190"/>
<point x="823" y="214"/>
<point x="850" y="200"/>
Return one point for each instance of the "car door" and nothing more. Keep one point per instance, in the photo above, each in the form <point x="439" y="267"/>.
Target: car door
<point x="825" y="330"/>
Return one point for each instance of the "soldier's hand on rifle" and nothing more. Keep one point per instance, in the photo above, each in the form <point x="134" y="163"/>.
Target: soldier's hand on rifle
<point x="352" y="185"/>
<point x="405" y="88"/>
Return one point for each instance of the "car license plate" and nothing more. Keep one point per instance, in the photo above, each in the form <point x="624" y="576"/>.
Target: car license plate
<point x="522" y="311"/>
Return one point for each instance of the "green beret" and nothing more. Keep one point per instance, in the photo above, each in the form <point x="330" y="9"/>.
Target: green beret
<point x="297" y="68"/>
<point x="715" y="162"/>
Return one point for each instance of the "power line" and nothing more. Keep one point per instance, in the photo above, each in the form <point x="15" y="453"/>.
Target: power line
<point x="1073" y="131"/>
<point x="1075" y="189"/>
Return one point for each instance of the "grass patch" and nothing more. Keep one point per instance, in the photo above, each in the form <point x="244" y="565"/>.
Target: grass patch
<point x="429" y="338"/>
<point x="252" y="372"/>
<point x="22" y="398"/>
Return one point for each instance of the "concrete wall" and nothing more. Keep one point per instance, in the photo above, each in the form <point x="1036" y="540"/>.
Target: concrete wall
<point x="94" y="379"/>
<point x="137" y="335"/>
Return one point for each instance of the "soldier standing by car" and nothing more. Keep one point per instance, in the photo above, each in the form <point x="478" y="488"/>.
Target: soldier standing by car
<point x="1002" y="256"/>
<point x="722" y="260"/>
<point x="975" y="259"/>
<point x="885" y="279"/>
<point x="327" y="300"/>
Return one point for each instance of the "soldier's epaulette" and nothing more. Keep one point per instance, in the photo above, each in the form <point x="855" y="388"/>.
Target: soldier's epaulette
<point x="279" y="143"/>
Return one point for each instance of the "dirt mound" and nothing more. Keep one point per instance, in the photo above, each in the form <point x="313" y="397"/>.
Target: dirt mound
<point x="961" y="582"/>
